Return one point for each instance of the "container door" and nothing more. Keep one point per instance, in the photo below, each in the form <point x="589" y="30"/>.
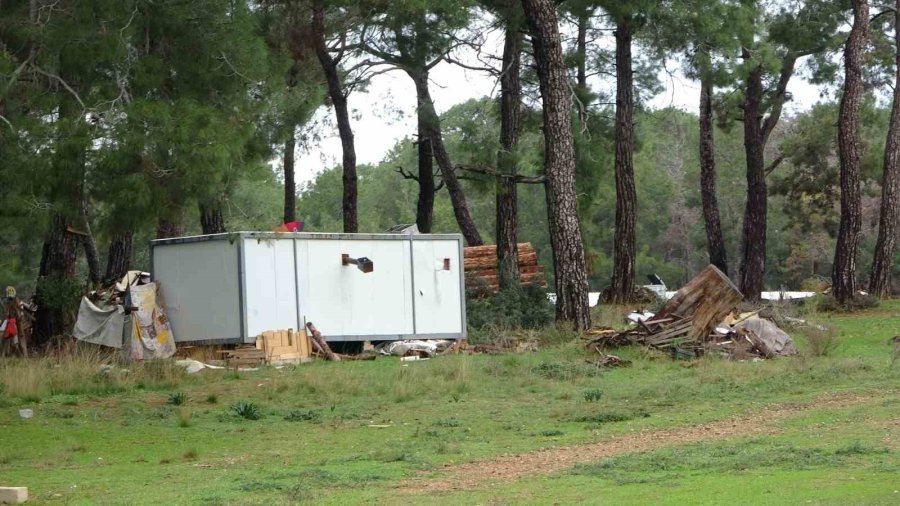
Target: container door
<point x="271" y="288"/>
<point x="347" y="304"/>
<point x="437" y="287"/>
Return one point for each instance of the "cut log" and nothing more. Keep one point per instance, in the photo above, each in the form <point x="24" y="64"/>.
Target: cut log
<point x="490" y="250"/>
<point x="523" y="269"/>
<point x="489" y="262"/>
<point x="705" y="300"/>
<point x="319" y="345"/>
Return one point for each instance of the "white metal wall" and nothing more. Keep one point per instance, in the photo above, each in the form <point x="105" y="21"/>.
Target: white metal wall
<point x="199" y="283"/>
<point x="271" y="289"/>
<point x="437" y="291"/>
<point x="342" y="301"/>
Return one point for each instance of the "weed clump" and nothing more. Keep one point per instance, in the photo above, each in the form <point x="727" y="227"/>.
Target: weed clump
<point x="177" y="398"/>
<point x="556" y="370"/>
<point x="829" y="304"/>
<point x="246" y="410"/>
<point x="592" y="394"/>
<point x="523" y="308"/>
<point x="303" y="415"/>
<point x="822" y="341"/>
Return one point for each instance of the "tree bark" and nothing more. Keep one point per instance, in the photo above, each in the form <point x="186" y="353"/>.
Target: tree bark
<point x="57" y="268"/>
<point x="753" y="245"/>
<point x="843" y="275"/>
<point x="211" y="219"/>
<point x="431" y="125"/>
<point x="118" y="257"/>
<point x="756" y="135"/>
<point x="290" y="187"/>
<point x="883" y="260"/>
<point x="425" y="179"/>
<point x="507" y="160"/>
<point x="559" y="166"/>
<point x="622" y="289"/>
<point x="715" y="243"/>
<point x="342" y="114"/>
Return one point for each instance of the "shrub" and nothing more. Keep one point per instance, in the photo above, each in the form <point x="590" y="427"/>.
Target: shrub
<point x="246" y="410"/>
<point x="523" y="308"/>
<point x="822" y="340"/>
<point x="858" y="303"/>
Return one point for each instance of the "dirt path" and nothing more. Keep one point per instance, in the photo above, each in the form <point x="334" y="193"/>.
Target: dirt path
<point x="480" y="474"/>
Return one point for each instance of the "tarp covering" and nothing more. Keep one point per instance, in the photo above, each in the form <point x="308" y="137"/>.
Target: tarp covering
<point x="776" y="340"/>
<point x="152" y="335"/>
<point x="101" y="325"/>
<point x="421" y="348"/>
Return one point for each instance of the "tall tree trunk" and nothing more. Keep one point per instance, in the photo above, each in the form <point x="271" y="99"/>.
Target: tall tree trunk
<point x="622" y="289"/>
<point x="715" y="243"/>
<point x="507" y="159"/>
<point x="425" y="178"/>
<point x="211" y="219"/>
<point x="559" y="166"/>
<point x="843" y="275"/>
<point x="883" y="260"/>
<point x="290" y="187"/>
<point x="342" y="114"/>
<point x="118" y="257"/>
<point x="428" y="117"/>
<point x="57" y="270"/>
<point x="753" y="244"/>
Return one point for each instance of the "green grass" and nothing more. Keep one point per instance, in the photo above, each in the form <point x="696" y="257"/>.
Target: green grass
<point x="348" y="432"/>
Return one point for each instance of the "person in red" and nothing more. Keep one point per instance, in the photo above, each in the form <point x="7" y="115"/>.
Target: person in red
<point x="11" y="339"/>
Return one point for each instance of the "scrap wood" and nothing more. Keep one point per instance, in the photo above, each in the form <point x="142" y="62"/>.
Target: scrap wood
<point x="705" y="300"/>
<point x="320" y="346"/>
<point x="609" y="361"/>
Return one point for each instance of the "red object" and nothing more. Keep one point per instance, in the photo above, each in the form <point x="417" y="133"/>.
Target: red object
<point x="11" y="329"/>
<point x="294" y="226"/>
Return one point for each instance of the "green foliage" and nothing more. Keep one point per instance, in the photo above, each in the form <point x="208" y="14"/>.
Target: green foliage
<point x="523" y="308"/>
<point x="246" y="410"/>
<point x="177" y="398"/>
<point x="592" y="394"/>
<point x="857" y="303"/>
<point x="303" y="415"/>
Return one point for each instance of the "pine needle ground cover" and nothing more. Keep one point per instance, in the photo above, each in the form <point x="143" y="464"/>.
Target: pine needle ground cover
<point x="539" y="427"/>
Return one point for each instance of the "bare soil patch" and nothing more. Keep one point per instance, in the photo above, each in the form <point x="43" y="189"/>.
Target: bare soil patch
<point x="481" y="474"/>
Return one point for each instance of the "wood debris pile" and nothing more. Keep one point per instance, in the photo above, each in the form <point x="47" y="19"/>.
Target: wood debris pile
<point x="695" y="320"/>
<point x="480" y="265"/>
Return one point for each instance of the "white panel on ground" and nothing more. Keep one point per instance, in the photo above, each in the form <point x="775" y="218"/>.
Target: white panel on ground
<point x="270" y="285"/>
<point x="199" y="283"/>
<point x="343" y="301"/>
<point x="435" y="288"/>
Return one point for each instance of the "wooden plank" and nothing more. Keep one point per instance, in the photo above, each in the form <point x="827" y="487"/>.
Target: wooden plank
<point x="705" y="300"/>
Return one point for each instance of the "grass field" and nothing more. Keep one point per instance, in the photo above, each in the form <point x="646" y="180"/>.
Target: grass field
<point x="809" y="429"/>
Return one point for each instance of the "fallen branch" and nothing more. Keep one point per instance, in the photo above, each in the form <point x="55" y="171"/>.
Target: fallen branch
<point x="318" y="342"/>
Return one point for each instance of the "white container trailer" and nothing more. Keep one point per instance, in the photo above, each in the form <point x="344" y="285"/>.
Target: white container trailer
<point x="230" y="288"/>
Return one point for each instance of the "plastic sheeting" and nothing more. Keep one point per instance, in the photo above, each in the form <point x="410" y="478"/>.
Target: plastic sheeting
<point x="103" y="325"/>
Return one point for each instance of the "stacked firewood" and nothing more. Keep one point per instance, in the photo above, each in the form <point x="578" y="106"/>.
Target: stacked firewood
<point x="480" y="265"/>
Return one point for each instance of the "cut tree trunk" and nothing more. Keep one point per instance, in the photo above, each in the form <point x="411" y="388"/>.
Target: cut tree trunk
<point x="883" y="259"/>
<point x="843" y="276"/>
<point x="559" y="166"/>
<point x="118" y="258"/>
<point x="290" y="187"/>
<point x="211" y="219"/>
<point x="507" y="159"/>
<point x="705" y="300"/>
<point x="342" y="115"/>
<point x="57" y="269"/>
<point x="753" y="244"/>
<point x="431" y="124"/>
<point x="715" y="243"/>
<point x="622" y="289"/>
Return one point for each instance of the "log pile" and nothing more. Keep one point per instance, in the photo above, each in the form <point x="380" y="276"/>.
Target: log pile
<point x="480" y="265"/>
